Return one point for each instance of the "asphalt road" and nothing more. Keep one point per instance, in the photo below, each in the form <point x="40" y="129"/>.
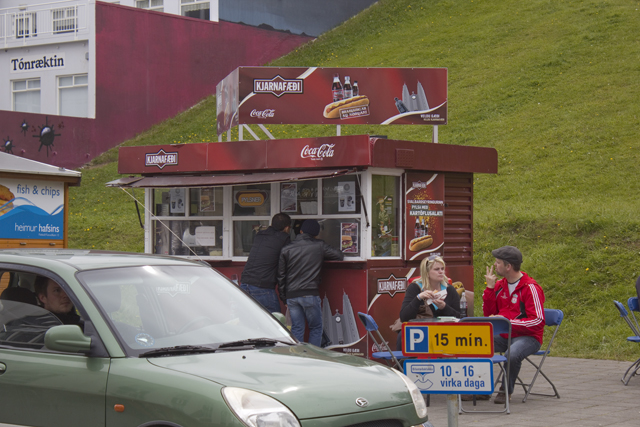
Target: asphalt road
<point x="591" y="395"/>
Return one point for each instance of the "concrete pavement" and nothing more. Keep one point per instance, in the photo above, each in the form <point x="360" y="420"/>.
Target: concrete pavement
<point x="591" y="395"/>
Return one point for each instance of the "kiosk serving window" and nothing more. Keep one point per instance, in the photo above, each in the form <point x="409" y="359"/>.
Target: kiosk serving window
<point x="385" y="228"/>
<point x="196" y="221"/>
<point x="185" y="222"/>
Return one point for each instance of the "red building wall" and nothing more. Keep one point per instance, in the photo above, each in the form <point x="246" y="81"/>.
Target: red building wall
<point x="149" y="66"/>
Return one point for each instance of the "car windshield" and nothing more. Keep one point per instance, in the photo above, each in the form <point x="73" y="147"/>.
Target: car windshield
<point x="160" y="307"/>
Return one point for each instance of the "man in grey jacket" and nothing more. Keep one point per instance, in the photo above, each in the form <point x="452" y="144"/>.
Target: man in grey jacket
<point x="299" y="273"/>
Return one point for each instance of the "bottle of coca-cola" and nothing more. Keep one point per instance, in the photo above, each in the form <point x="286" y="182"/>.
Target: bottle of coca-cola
<point x="417" y="228"/>
<point x="356" y="88"/>
<point x="348" y="91"/>
<point x="336" y="88"/>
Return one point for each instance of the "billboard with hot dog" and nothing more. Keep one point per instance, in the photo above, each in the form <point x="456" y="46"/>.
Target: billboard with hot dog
<point x="298" y="95"/>
<point x="424" y="196"/>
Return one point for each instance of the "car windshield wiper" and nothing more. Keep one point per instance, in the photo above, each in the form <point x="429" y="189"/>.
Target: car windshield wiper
<point x="178" y="350"/>
<point x="253" y="343"/>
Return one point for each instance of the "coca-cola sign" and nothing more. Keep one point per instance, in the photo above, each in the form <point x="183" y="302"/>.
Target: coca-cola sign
<point x="263" y="114"/>
<point x="317" y="153"/>
<point x="277" y="86"/>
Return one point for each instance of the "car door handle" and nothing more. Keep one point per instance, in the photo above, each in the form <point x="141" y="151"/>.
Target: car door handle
<point x="3" y="368"/>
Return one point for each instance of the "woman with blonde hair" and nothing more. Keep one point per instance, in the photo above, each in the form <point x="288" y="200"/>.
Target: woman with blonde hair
<point x="431" y="295"/>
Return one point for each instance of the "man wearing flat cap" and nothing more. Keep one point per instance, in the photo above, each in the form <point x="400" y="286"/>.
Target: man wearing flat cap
<point x="521" y="300"/>
<point x="299" y="273"/>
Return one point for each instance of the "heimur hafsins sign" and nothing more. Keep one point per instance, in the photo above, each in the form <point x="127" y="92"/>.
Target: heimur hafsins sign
<point x="298" y="95"/>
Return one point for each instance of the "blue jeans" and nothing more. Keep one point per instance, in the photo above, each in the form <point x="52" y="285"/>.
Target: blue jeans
<point x="307" y="307"/>
<point x="521" y="347"/>
<point x="267" y="297"/>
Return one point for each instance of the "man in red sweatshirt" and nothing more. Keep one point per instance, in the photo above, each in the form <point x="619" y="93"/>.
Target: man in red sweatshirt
<point x="521" y="300"/>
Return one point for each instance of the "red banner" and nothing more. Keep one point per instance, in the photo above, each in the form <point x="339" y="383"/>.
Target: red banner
<point x="296" y="95"/>
<point x="425" y="214"/>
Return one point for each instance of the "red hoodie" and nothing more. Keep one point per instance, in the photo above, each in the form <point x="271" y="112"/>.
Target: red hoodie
<point x="525" y="307"/>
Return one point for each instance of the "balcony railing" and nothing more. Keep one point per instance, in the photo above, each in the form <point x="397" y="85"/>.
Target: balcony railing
<point x="43" y="23"/>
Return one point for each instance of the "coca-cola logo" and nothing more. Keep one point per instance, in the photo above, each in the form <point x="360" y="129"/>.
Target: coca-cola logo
<point x="263" y="114"/>
<point x="317" y="153"/>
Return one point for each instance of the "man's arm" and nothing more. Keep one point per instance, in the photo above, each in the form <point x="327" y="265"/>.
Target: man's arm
<point x="282" y="277"/>
<point x="489" y="305"/>
<point x="532" y="304"/>
<point x="331" y="253"/>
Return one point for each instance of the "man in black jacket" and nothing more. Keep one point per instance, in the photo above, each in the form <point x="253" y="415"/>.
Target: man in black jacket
<point x="259" y="275"/>
<point x="299" y="273"/>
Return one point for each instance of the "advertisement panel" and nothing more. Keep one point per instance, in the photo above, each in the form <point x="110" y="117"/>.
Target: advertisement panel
<point x="31" y="209"/>
<point x="425" y="214"/>
<point x="297" y="95"/>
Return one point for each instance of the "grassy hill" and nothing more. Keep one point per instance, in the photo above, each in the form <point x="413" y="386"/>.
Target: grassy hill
<point x="553" y="86"/>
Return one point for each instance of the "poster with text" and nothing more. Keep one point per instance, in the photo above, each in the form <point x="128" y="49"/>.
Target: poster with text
<point x="299" y="95"/>
<point x="31" y="209"/>
<point x="424" y="197"/>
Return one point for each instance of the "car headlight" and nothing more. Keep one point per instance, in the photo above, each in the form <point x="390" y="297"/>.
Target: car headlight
<point x="257" y="409"/>
<point x="416" y="396"/>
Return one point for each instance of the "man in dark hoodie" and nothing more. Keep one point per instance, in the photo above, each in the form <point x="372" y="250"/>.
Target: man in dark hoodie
<point x="259" y="274"/>
<point x="299" y="273"/>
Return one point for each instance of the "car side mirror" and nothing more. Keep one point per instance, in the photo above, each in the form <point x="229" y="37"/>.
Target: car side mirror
<point x="67" y="338"/>
<point x="281" y="318"/>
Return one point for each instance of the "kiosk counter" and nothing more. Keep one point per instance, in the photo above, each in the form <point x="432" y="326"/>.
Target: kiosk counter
<point x="387" y="204"/>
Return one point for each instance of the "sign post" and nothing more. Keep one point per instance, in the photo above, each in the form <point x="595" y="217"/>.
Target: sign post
<point x="450" y="375"/>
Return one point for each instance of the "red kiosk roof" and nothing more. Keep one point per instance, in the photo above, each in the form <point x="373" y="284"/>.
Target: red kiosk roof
<point x="331" y="155"/>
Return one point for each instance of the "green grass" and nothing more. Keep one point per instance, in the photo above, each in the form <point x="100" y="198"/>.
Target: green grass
<point x="553" y="86"/>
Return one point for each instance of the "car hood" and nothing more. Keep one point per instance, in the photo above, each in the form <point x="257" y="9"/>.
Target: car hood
<point x="310" y="381"/>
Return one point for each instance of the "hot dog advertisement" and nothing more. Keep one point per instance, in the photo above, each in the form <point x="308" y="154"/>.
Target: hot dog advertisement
<point x="425" y="214"/>
<point x="31" y="209"/>
<point x="297" y="95"/>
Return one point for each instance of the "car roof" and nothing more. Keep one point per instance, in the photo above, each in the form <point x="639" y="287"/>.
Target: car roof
<point x="87" y="259"/>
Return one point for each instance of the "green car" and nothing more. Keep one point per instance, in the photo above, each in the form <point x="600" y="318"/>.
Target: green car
<point x="93" y="338"/>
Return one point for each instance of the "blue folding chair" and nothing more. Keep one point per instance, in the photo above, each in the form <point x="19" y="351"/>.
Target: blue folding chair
<point x="633" y="369"/>
<point x="552" y="318"/>
<point x="387" y="354"/>
<point x="501" y="325"/>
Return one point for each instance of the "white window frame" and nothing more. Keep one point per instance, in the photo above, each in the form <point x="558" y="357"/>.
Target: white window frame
<point x="149" y="5"/>
<point x="64" y="20"/>
<point x="74" y="85"/>
<point x="14" y="91"/>
<point x="23" y="20"/>
<point x="184" y="3"/>
<point x="367" y="192"/>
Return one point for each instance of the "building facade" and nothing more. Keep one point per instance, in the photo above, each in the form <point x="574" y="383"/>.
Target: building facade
<point x="80" y="76"/>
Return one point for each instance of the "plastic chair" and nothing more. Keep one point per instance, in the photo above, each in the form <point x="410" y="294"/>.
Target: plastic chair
<point x="553" y="318"/>
<point x="501" y="325"/>
<point x="388" y="355"/>
<point x="633" y="369"/>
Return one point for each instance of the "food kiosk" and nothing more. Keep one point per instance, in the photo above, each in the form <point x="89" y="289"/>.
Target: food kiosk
<point x="386" y="203"/>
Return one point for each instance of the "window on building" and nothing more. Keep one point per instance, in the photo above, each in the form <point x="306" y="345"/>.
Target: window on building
<point x="73" y="95"/>
<point x="157" y="5"/>
<point x="26" y="95"/>
<point x="195" y="9"/>
<point x="24" y="25"/>
<point x="65" y="20"/>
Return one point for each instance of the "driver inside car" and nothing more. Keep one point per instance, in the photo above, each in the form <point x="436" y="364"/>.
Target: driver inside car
<point x="53" y="298"/>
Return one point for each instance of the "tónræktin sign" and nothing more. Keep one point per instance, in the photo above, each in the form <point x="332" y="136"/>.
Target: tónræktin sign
<point x="297" y="95"/>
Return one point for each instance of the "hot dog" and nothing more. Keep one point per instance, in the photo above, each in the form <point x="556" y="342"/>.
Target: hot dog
<point x="332" y="111"/>
<point x="416" y="245"/>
